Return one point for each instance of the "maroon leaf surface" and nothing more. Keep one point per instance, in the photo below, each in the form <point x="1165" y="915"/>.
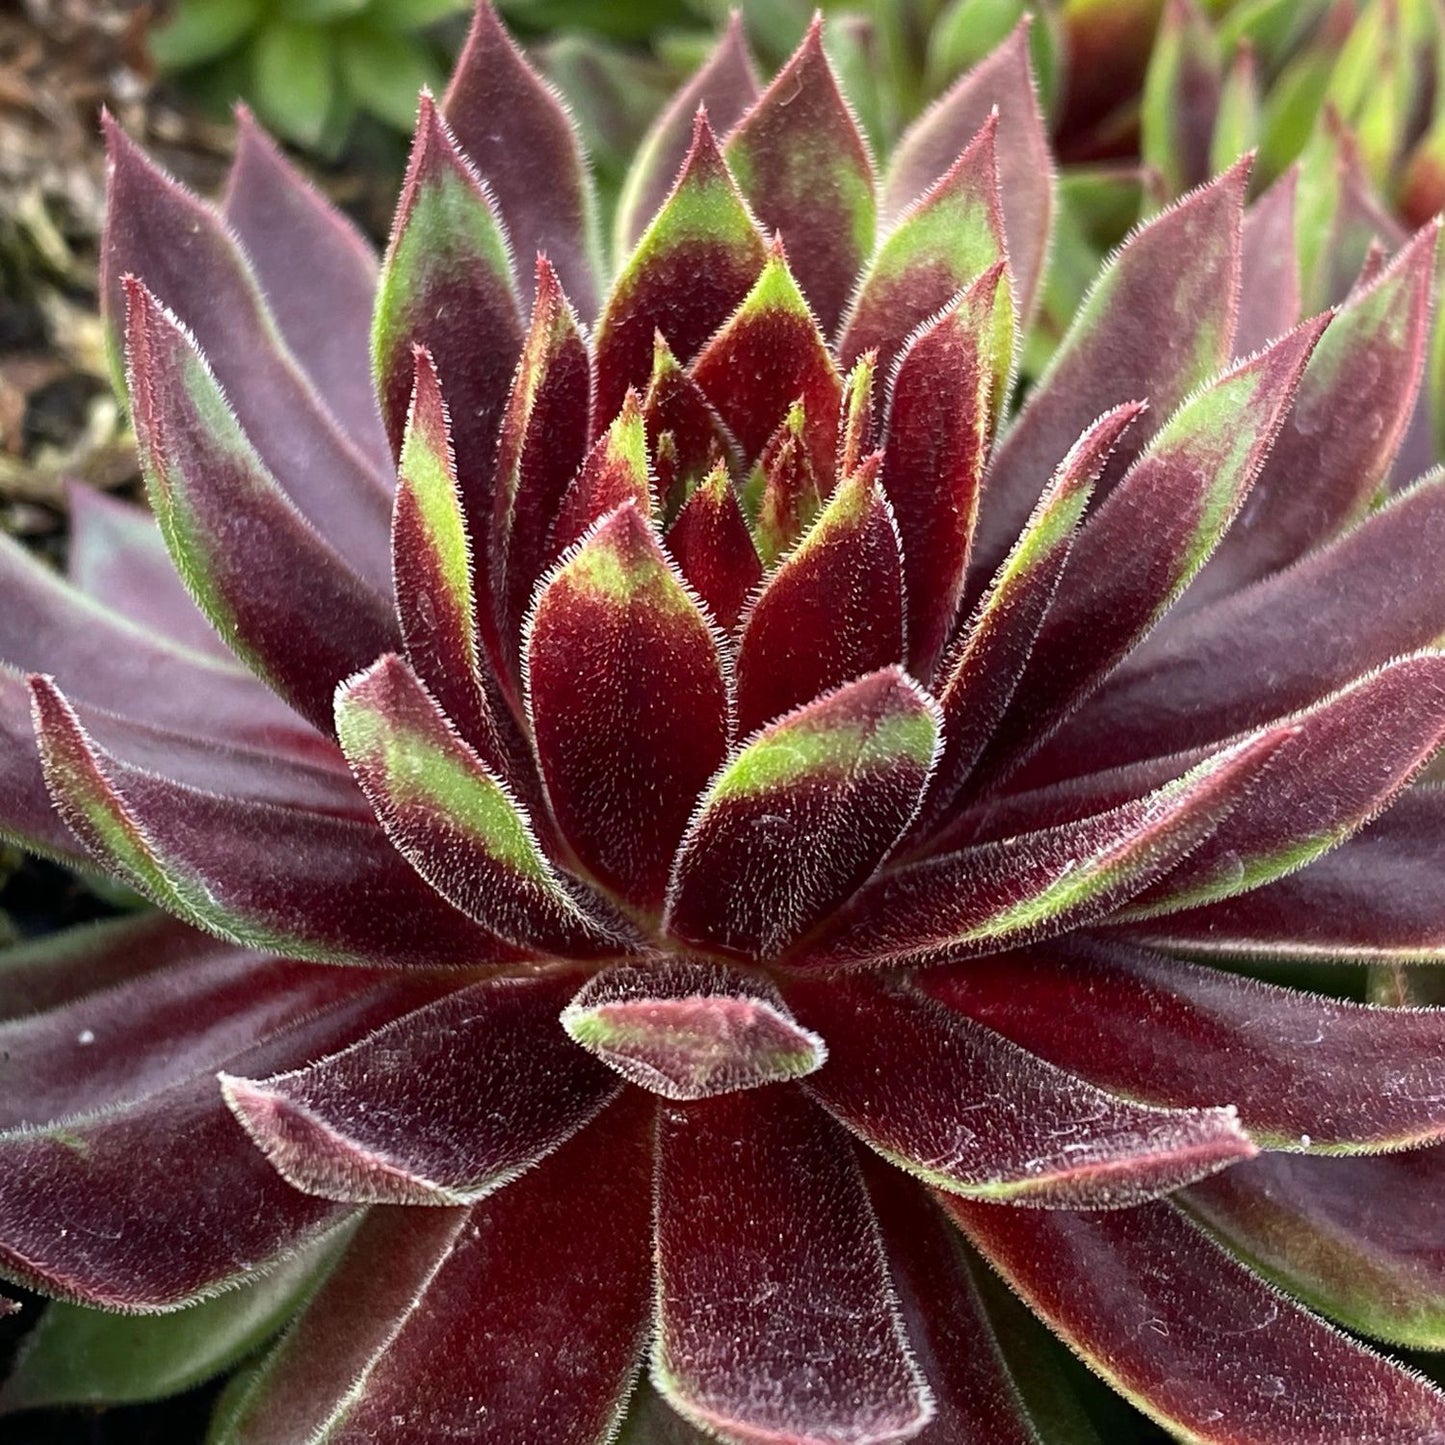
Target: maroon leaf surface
<point x="616" y="470"/>
<point x="791" y="1232"/>
<point x="714" y="550"/>
<point x="1269" y="279"/>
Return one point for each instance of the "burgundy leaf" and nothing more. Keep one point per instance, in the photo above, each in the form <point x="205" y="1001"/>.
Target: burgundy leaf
<point x="684" y="432"/>
<point x="1126" y="342"/>
<point x="802" y="815"/>
<point x="831" y="612"/>
<point x="1303" y="1071"/>
<point x="628" y="703"/>
<point x="346" y="894"/>
<point x="714" y="550"/>
<point x="180" y="249"/>
<point x="694" y="264"/>
<point x="513" y="128"/>
<point x="790" y="1230"/>
<point x="445" y="1105"/>
<point x="1193" y="1338"/>
<point x="318" y="273"/>
<point x="726" y="86"/>
<point x="920" y="1085"/>
<point x="616" y="470"/>
<point x="792" y="490"/>
<point x="690" y="1030"/>
<point x="804" y="166"/>
<point x="1269" y="279"/>
<point x="857" y="422"/>
<point x="1002" y="80"/>
<point x="444" y="1323"/>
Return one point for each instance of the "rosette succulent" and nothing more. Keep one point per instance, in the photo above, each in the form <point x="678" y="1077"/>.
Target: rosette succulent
<point x="696" y="833"/>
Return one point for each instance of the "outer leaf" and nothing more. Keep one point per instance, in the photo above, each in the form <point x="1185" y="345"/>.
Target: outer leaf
<point x="1355" y="400"/>
<point x="318" y="274"/>
<point x="445" y="1105"/>
<point x="1277" y="647"/>
<point x="725" y="86"/>
<point x="940" y="427"/>
<point x="178" y="247"/>
<point x="436" y="599"/>
<point x="987" y="898"/>
<point x="1304" y="1072"/>
<point x="628" y="703"/>
<point x="804" y="166"/>
<point x="77" y="1356"/>
<point x="981" y="670"/>
<point x="1193" y="1338"/>
<point x="346" y="896"/>
<point x="513" y="128"/>
<point x="769" y="355"/>
<point x="1125" y="343"/>
<point x="920" y="1086"/>
<point x="941" y="245"/>
<point x="616" y="470"/>
<point x="447" y="285"/>
<point x="1165" y="517"/>
<point x="543" y="442"/>
<point x="790" y="1228"/>
<point x="694" y="264"/>
<point x="714" y="549"/>
<point x="831" y="612"/>
<point x="242" y="548"/>
<point x="1025" y="161"/>
<point x="690" y="1030"/>
<point x="1316" y="1226"/>
<point x="430" y="1325"/>
<point x="1269" y="279"/>
<point x="453" y="818"/>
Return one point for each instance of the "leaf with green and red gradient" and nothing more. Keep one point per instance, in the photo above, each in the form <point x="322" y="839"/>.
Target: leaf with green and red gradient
<point x="616" y="470"/>
<point x="511" y="126"/>
<point x="1275" y="648"/>
<point x="714" y="550"/>
<point x="1181" y="97"/>
<point x="987" y="1361"/>
<point x="725" y="86"/>
<point x="1167" y="516"/>
<point x="940" y="246"/>
<point x="179" y="248"/>
<point x="318" y="274"/>
<point x="940" y="428"/>
<point x="83" y="1223"/>
<point x="981" y="670"/>
<point x="436" y="598"/>
<point x="694" y="264"/>
<point x="284" y="601"/>
<point x="1126" y="343"/>
<point x="433" y="1310"/>
<point x="998" y="895"/>
<point x="792" y="492"/>
<point x="835" y="782"/>
<point x="1354" y="402"/>
<point x="444" y="1105"/>
<point x="769" y="355"/>
<point x="690" y="1030"/>
<point x="1357" y="1239"/>
<point x="1350" y="756"/>
<point x="804" y="166"/>
<point x="542" y="444"/>
<point x="454" y="818"/>
<point x="628" y="703"/>
<point x="832" y="611"/>
<point x="1378" y="898"/>
<point x="857" y="419"/>
<point x="346" y="894"/>
<point x="447" y="284"/>
<point x="791" y="1230"/>
<point x="1192" y="1337"/>
<point x="919" y="1084"/>
<point x="1004" y="81"/>
<point x="683" y="431"/>
<point x="1269" y="279"/>
<point x="1304" y="1072"/>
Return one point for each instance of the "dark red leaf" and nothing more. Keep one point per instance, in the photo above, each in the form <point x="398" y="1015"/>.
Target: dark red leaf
<point x="714" y="550"/>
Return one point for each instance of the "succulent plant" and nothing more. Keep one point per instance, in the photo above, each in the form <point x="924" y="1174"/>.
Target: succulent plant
<point x="691" y="828"/>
